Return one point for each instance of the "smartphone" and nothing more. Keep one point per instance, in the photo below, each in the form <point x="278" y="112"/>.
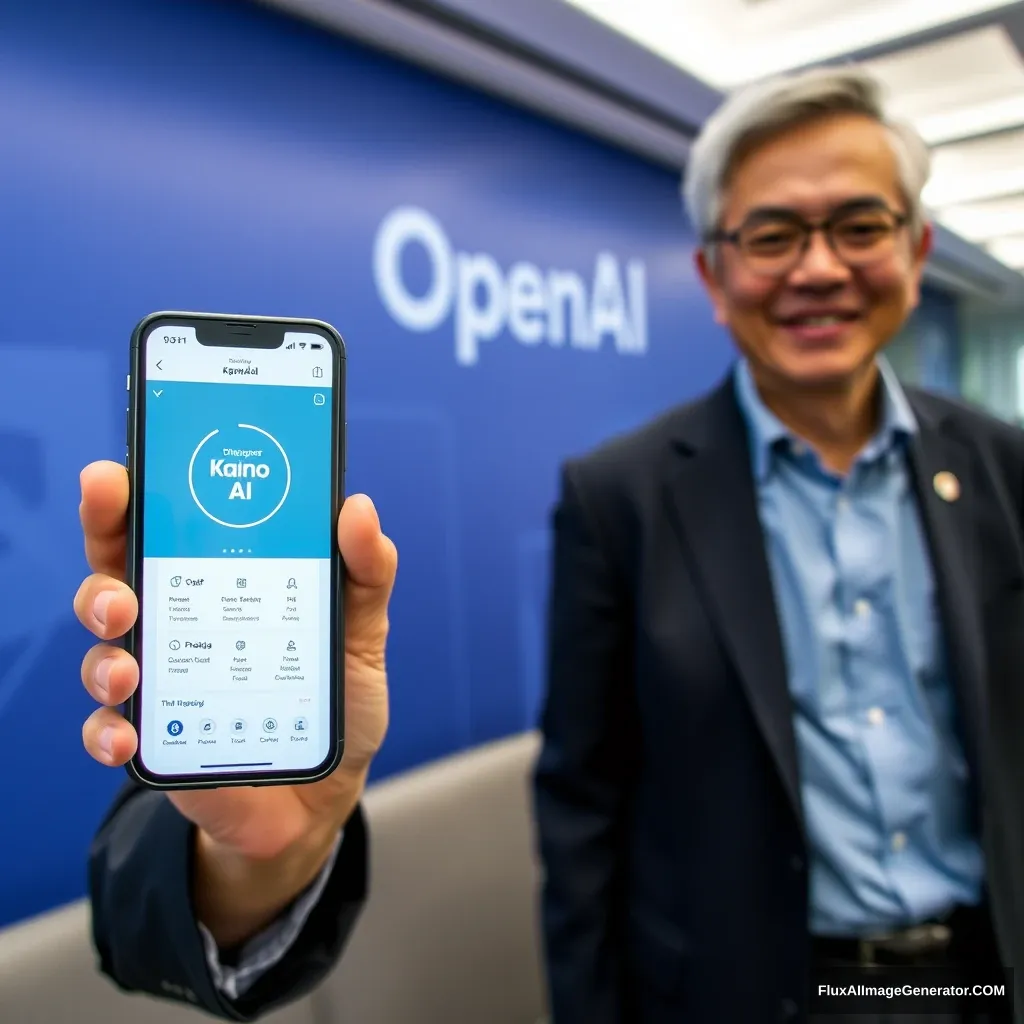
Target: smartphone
<point x="235" y="456"/>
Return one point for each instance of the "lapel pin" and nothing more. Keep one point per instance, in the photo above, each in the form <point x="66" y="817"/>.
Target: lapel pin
<point x="947" y="487"/>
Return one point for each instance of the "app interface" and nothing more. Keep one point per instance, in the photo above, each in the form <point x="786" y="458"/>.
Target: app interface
<point x="236" y="555"/>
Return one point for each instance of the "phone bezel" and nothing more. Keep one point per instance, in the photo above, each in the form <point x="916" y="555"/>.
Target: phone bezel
<point x="135" y="461"/>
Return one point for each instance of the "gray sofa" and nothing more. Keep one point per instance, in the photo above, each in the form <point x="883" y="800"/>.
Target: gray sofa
<point x="448" y="935"/>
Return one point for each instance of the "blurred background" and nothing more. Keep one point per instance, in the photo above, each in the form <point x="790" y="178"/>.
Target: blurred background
<point x="344" y="159"/>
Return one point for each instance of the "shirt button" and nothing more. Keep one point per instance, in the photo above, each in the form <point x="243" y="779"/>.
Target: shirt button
<point x="876" y="716"/>
<point x="842" y="503"/>
<point x="862" y="608"/>
<point x="796" y="862"/>
<point x="788" y="1010"/>
<point x="899" y="840"/>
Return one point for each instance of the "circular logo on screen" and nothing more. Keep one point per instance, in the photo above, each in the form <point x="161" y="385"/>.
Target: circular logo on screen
<point x="239" y="476"/>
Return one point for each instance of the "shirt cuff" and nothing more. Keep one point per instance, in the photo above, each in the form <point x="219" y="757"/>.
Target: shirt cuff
<point x="266" y="949"/>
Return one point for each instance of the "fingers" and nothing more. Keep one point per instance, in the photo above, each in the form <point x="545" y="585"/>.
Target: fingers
<point x="108" y="737"/>
<point x="110" y="675"/>
<point x="108" y="608"/>
<point x="103" y="512"/>
<point x="105" y="606"/>
<point x="371" y="562"/>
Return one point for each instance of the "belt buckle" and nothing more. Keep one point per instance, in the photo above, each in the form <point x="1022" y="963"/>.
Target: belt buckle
<point x="906" y="944"/>
<point x="866" y="952"/>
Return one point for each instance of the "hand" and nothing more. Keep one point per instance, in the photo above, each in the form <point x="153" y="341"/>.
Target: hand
<point x="279" y="832"/>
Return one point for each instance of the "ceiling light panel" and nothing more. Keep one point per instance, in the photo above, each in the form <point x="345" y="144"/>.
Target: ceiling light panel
<point x="1009" y="251"/>
<point x="728" y="42"/>
<point x="980" y="119"/>
<point x="983" y="168"/>
<point x="969" y="69"/>
<point x="983" y="222"/>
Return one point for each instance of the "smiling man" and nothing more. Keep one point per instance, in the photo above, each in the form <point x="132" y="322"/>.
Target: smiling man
<point x="784" y="708"/>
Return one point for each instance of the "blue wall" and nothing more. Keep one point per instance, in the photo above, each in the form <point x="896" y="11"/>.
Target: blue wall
<point x="141" y="171"/>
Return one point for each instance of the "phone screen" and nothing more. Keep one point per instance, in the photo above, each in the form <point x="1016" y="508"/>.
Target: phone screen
<point x="236" y="461"/>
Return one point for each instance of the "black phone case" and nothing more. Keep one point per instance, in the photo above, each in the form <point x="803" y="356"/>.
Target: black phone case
<point x="135" y="462"/>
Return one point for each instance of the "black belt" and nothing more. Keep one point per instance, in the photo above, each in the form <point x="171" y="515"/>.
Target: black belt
<point x="925" y="943"/>
<point x="920" y="944"/>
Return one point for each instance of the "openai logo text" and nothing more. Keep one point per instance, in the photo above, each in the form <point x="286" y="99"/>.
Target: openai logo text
<point x="535" y="305"/>
<point x="234" y="482"/>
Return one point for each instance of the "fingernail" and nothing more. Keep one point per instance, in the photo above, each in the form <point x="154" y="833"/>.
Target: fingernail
<point x="107" y="741"/>
<point x="101" y="604"/>
<point x="103" y="676"/>
<point x="367" y="502"/>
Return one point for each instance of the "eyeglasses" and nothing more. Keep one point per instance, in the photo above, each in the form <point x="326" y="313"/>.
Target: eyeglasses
<point x="773" y="242"/>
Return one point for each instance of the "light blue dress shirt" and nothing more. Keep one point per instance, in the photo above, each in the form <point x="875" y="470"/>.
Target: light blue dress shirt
<point x="884" y="781"/>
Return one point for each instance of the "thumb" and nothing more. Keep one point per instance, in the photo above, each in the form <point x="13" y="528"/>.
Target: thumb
<point x="371" y="562"/>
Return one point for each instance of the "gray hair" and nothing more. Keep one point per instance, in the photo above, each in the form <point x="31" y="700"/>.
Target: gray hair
<point x="760" y="111"/>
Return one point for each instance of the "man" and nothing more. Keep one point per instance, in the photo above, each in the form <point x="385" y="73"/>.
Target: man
<point x="784" y="709"/>
<point x="237" y="900"/>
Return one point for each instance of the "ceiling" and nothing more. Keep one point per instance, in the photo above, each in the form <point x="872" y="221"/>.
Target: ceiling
<point x="955" y="68"/>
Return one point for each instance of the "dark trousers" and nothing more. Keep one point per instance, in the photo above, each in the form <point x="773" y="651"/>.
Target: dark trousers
<point x="972" y="947"/>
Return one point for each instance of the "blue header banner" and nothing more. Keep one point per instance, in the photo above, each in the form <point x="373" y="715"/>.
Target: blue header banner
<point x="237" y="468"/>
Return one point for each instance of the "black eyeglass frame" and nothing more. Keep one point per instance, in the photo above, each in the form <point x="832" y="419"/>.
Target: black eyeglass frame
<point x="808" y="229"/>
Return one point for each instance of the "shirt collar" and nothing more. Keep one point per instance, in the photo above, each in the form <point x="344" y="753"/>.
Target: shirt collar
<point x="767" y="432"/>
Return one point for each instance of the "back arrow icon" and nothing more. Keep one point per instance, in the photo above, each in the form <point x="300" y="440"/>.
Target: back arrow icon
<point x="159" y="364"/>
<point x="158" y="393"/>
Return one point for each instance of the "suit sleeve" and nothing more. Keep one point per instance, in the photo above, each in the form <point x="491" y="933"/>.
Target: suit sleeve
<point x="580" y="783"/>
<point x="144" y="923"/>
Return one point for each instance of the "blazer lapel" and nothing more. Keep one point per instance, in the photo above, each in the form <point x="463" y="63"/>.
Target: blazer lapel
<point x="942" y="477"/>
<point x="713" y="504"/>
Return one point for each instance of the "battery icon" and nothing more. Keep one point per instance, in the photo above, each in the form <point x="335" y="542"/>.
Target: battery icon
<point x="316" y="344"/>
